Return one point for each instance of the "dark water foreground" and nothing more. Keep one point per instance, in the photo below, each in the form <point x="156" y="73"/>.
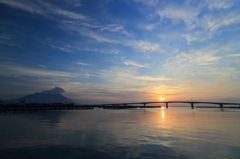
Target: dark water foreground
<point x="129" y="133"/>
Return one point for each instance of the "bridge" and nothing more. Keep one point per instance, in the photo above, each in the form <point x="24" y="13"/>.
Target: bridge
<point x="59" y="106"/>
<point x="167" y="102"/>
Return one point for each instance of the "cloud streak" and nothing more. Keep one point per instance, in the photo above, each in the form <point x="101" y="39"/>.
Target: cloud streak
<point x="216" y="4"/>
<point x="187" y="14"/>
<point x="215" y="22"/>
<point x="233" y="55"/>
<point x="80" y="63"/>
<point x="60" y="48"/>
<point x="43" y="8"/>
<point x="131" y="63"/>
<point x="115" y="28"/>
<point x="25" y="71"/>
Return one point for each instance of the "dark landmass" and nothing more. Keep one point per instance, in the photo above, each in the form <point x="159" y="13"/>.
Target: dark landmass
<point x="40" y="98"/>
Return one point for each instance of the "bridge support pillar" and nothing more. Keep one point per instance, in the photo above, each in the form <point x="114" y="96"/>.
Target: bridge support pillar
<point x="192" y="105"/>
<point x="221" y="105"/>
<point x="167" y="105"/>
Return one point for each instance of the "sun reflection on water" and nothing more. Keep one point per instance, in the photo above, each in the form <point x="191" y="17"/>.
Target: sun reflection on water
<point x="163" y="114"/>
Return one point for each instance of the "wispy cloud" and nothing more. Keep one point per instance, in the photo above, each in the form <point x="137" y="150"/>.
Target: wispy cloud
<point x="89" y="33"/>
<point x="210" y="25"/>
<point x="147" y="46"/>
<point x="3" y="42"/>
<point x="6" y="39"/>
<point x="25" y="5"/>
<point x="214" y="22"/>
<point x="103" y="51"/>
<point x="201" y="63"/>
<point x="149" y="78"/>
<point x="68" y="14"/>
<point x="129" y="78"/>
<point x="25" y="71"/>
<point x="199" y="57"/>
<point x="144" y="46"/>
<point x="74" y="3"/>
<point x="148" y="27"/>
<point x="185" y="13"/>
<point x="149" y="2"/>
<point x="98" y="37"/>
<point x="60" y="48"/>
<point x="43" y="8"/>
<point x="42" y="66"/>
<point x="80" y="63"/>
<point x="115" y="28"/>
<point x="134" y="64"/>
<point x="197" y="36"/>
<point x="233" y="55"/>
<point x="82" y="24"/>
<point x="222" y="4"/>
<point x="75" y="48"/>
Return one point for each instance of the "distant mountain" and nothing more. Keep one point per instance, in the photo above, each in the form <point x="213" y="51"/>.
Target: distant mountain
<point x="41" y="98"/>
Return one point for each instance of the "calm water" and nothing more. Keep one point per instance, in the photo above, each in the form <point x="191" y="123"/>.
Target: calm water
<point x="129" y="133"/>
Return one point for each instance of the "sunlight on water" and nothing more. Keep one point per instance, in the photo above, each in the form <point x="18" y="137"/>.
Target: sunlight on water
<point x="163" y="115"/>
<point x="128" y="133"/>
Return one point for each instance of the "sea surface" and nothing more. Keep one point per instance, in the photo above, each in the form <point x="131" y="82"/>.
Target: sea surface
<point x="142" y="133"/>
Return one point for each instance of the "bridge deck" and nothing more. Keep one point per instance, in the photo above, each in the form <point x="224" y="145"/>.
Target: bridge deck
<point x="167" y="102"/>
<point x="107" y="106"/>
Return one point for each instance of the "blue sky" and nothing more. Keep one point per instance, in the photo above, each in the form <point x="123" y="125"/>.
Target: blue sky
<point x="121" y="50"/>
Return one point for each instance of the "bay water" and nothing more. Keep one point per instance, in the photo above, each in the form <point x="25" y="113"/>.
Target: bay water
<point x="142" y="133"/>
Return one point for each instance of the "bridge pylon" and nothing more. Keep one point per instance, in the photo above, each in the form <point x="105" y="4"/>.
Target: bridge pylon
<point x="192" y="105"/>
<point x="221" y="105"/>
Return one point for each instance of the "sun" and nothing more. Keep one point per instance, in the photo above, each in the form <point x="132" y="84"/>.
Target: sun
<point x="161" y="99"/>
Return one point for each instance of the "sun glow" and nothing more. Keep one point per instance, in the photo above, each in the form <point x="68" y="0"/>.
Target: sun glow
<point x="161" y="99"/>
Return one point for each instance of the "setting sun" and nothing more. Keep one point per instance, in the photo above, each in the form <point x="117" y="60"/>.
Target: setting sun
<point x="161" y="99"/>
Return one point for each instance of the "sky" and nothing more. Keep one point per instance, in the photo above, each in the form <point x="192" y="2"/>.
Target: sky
<point x="121" y="50"/>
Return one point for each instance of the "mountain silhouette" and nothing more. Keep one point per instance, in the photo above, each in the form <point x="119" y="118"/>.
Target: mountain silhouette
<point x="41" y="98"/>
